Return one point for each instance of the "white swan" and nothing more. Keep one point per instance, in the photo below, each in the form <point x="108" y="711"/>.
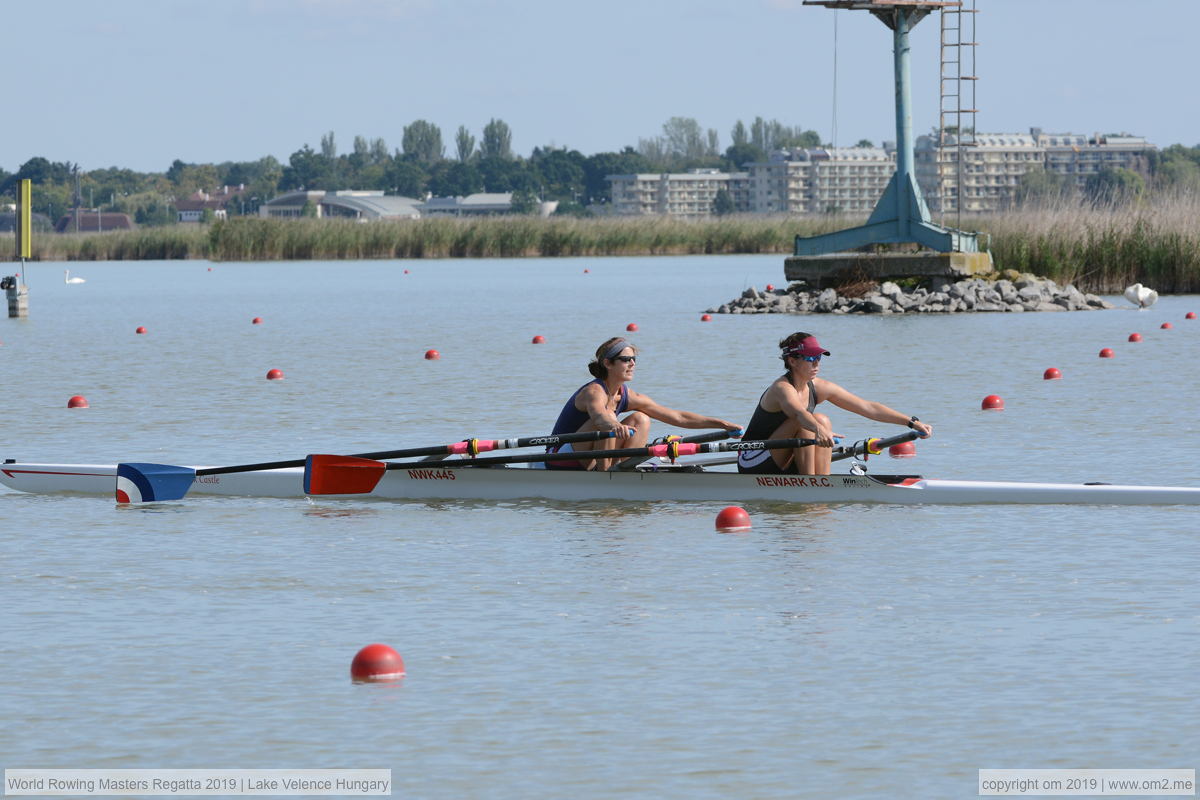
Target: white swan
<point x="68" y="279"/>
<point x="1140" y="296"/>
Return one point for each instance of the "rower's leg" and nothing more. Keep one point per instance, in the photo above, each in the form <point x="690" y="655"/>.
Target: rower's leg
<point x="788" y="429"/>
<point x="637" y="420"/>
<point x="641" y="425"/>
<point x="813" y="460"/>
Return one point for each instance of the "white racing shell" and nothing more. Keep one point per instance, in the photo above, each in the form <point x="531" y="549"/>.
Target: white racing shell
<point x="508" y="483"/>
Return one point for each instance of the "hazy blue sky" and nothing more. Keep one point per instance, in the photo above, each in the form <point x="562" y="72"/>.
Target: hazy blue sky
<point x="139" y="83"/>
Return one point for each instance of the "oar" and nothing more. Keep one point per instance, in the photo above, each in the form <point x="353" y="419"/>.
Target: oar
<point x="870" y="447"/>
<point x="343" y="475"/>
<point x="147" y="483"/>
<point x="713" y="436"/>
<point x="873" y="447"/>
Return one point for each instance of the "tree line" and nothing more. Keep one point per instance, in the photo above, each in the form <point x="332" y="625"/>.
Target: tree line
<point x="422" y="165"/>
<point x="426" y="164"/>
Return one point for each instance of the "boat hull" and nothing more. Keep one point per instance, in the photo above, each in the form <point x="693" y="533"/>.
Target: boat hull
<point x="509" y="483"/>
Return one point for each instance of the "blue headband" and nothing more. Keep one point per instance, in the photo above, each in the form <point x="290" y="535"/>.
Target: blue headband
<point x="617" y="346"/>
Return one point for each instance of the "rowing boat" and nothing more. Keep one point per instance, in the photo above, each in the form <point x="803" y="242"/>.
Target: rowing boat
<point x="656" y="479"/>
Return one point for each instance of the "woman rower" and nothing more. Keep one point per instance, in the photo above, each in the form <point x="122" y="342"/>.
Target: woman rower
<point x="786" y="410"/>
<point x="597" y="406"/>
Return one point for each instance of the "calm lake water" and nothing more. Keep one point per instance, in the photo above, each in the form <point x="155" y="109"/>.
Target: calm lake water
<point x="593" y="650"/>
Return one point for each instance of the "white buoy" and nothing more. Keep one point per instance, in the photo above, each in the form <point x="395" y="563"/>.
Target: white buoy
<point x="1141" y="296"/>
<point x="68" y="279"/>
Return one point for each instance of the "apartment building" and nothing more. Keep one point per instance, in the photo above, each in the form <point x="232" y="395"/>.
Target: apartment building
<point x="846" y="180"/>
<point x="799" y="181"/>
<point x="686" y="195"/>
<point x="992" y="165"/>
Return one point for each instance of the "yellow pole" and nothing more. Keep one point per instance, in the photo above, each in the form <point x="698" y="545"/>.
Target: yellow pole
<point x="24" y="227"/>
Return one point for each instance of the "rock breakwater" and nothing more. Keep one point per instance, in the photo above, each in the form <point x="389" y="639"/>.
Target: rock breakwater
<point x="1015" y="293"/>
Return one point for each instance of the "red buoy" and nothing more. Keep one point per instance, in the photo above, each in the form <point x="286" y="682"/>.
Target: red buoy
<point x="140" y="329"/>
<point x="705" y="317"/>
<point x="770" y="287"/>
<point x="539" y="339"/>
<point x="1166" y="326"/>
<point x="432" y="355"/>
<point x="405" y="272"/>
<point x="1190" y="315"/>
<point x="733" y="518"/>
<point x="1135" y="337"/>
<point x="78" y="401"/>
<point x="1106" y="352"/>
<point x="256" y="321"/>
<point x="631" y="326"/>
<point x="274" y="374"/>
<point x="1051" y="374"/>
<point x="377" y="662"/>
<point x="903" y="450"/>
<point x="993" y="402"/>
<point x="586" y="270"/>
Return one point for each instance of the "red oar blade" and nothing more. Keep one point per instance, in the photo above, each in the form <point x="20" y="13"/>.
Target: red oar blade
<point x="324" y="474"/>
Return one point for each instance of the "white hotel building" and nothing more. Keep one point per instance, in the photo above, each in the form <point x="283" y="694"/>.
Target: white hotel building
<point x="817" y="181"/>
<point x="850" y="180"/>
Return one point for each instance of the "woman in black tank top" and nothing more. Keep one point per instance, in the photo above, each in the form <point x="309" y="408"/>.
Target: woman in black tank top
<point x="786" y="410"/>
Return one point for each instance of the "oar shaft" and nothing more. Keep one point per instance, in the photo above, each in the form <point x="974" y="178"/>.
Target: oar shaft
<point x="465" y="447"/>
<point x="668" y="450"/>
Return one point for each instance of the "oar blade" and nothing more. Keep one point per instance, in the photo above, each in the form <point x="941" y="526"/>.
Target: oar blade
<point x="327" y="474"/>
<point x="152" y="483"/>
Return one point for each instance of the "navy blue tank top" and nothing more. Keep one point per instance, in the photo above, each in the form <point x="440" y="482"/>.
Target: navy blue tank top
<point x="571" y="419"/>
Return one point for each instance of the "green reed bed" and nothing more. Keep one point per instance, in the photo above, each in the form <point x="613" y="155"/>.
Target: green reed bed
<point x="170" y="243"/>
<point x="1156" y="243"/>
<point x="1102" y="249"/>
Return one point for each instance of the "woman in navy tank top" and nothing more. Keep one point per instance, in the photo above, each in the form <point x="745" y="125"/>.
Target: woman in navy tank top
<point x="598" y="406"/>
<point x="786" y="410"/>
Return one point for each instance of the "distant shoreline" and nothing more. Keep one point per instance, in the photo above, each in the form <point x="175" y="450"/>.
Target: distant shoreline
<point x="1096" y="250"/>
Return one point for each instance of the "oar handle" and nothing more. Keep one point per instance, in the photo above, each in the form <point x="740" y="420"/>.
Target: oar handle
<point x="466" y="447"/>
<point x="873" y="447"/>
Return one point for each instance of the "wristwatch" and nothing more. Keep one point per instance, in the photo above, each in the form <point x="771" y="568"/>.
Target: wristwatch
<point x="911" y="420"/>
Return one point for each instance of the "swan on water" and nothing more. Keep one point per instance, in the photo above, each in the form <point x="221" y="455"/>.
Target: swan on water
<point x="1140" y="296"/>
<point x="68" y="279"/>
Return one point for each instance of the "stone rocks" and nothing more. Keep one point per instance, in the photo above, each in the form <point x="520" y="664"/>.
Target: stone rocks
<point x="1015" y="293"/>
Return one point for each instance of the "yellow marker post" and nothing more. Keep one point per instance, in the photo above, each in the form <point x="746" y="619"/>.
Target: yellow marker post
<point x="14" y="285"/>
<point x="24" y="226"/>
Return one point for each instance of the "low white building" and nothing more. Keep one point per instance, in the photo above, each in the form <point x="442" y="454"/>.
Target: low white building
<point x="362" y="205"/>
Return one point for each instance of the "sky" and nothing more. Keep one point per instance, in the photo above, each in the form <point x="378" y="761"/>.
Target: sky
<point x="140" y="83"/>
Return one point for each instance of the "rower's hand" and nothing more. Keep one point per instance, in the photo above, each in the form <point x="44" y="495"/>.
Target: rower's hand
<point x="825" y="436"/>
<point x="623" y="431"/>
<point x="923" y="428"/>
<point x="734" y="430"/>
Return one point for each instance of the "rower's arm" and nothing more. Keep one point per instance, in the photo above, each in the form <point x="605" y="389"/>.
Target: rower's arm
<point x="673" y="416"/>
<point x="789" y="403"/>
<point x="593" y="401"/>
<point x="872" y="410"/>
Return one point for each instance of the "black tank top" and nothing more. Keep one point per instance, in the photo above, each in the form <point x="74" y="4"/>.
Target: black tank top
<point x="763" y="423"/>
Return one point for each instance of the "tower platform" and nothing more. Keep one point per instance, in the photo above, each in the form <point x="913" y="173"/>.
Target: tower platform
<point x="832" y="269"/>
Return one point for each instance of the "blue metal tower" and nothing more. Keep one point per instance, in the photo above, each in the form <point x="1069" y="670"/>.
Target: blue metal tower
<point x="901" y="215"/>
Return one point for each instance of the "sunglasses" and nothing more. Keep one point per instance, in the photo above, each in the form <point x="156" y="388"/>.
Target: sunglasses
<point x="811" y="359"/>
<point x="626" y="359"/>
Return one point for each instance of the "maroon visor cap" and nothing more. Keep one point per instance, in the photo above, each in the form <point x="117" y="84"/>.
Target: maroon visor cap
<point x="808" y="346"/>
